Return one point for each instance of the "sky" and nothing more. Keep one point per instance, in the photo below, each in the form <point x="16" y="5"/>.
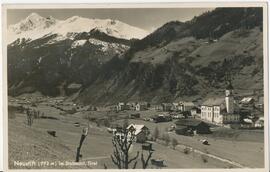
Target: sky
<point x="147" y="19"/>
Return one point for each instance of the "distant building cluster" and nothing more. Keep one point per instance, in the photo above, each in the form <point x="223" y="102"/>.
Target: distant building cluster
<point x="246" y="112"/>
<point x="138" y="106"/>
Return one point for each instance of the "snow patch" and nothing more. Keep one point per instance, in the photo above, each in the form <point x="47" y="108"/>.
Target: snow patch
<point x="56" y="39"/>
<point x="35" y="26"/>
<point x="78" y="43"/>
<point x="106" y="46"/>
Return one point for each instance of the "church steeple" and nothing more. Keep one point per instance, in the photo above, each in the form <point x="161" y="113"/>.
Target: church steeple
<point x="229" y="99"/>
<point x="229" y="89"/>
<point x="229" y="86"/>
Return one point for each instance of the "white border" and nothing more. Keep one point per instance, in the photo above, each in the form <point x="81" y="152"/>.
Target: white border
<point x="130" y="4"/>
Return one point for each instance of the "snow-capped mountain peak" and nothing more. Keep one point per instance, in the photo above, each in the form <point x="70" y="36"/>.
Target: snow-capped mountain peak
<point x="32" y="22"/>
<point x="34" y="16"/>
<point x="35" y="26"/>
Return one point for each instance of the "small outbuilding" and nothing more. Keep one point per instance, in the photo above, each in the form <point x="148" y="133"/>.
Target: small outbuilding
<point x="247" y="101"/>
<point x="191" y="126"/>
<point x="134" y="115"/>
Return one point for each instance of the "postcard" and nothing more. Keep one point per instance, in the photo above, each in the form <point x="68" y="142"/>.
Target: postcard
<point x="170" y="86"/>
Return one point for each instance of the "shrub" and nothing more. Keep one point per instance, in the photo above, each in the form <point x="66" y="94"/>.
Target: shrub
<point x="166" y="138"/>
<point x="187" y="151"/>
<point x="204" y="158"/>
<point x="106" y="122"/>
<point x="125" y="123"/>
<point x="174" y="143"/>
<point x="98" y="122"/>
<point x="72" y="111"/>
<point x="89" y="118"/>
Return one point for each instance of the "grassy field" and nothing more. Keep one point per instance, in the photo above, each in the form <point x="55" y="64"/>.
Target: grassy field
<point x="34" y="143"/>
<point x="243" y="146"/>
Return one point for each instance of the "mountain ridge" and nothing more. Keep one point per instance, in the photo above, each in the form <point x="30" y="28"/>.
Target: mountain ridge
<point x="34" y="26"/>
<point x="179" y="61"/>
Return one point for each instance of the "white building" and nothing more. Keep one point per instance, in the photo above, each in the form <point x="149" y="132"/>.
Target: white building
<point x="139" y="131"/>
<point x="260" y="122"/>
<point x="220" y="110"/>
<point x="247" y="100"/>
<point x="122" y="106"/>
<point x="140" y="106"/>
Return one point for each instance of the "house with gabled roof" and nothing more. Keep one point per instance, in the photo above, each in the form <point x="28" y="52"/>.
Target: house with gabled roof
<point x="140" y="106"/>
<point x="140" y="132"/>
<point x="122" y="106"/>
<point x="186" y="106"/>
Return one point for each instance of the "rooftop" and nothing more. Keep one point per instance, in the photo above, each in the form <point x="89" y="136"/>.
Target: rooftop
<point x="138" y="128"/>
<point x="214" y="101"/>
<point x="187" y="103"/>
<point x="188" y="122"/>
<point x="246" y="100"/>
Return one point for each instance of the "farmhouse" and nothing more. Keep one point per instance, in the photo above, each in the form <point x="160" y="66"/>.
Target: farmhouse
<point x="175" y="107"/>
<point x="122" y="106"/>
<point x="166" y="106"/>
<point x="247" y="101"/>
<point x="259" y="123"/>
<point x="131" y="106"/>
<point x="220" y="110"/>
<point x="260" y="102"/>
<point x="141" y="106"/>
<point x="191" y="126"/>
<point x="194" y="111"/>
<point x="186" y="106"/>
<point x="158" y="107"/>
<point x="140" y="132"/>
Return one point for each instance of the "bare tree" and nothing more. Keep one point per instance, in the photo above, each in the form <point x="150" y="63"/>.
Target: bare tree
<point x="146" y="161"/>
<point x="122" y="142"/>
<point x="30" y="117"/>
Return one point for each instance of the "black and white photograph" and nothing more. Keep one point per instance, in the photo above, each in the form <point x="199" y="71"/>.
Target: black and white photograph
<point x="161" y="87"/>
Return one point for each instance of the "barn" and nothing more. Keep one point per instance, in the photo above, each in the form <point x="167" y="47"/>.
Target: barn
<point x="191" y="126"/>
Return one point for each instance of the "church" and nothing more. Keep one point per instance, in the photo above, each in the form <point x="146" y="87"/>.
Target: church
<point x="220" y="110"/>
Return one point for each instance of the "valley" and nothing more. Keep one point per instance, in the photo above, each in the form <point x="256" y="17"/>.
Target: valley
<point x="37" y="144"/>
<point x="186" y="95"/>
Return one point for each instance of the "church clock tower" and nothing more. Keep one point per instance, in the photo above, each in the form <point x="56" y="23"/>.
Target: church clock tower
<point x="229" y="99"/>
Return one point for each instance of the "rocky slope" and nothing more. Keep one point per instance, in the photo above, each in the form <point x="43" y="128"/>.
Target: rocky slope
<point x="188" y="61"/>
<point x="50" y="65"/>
